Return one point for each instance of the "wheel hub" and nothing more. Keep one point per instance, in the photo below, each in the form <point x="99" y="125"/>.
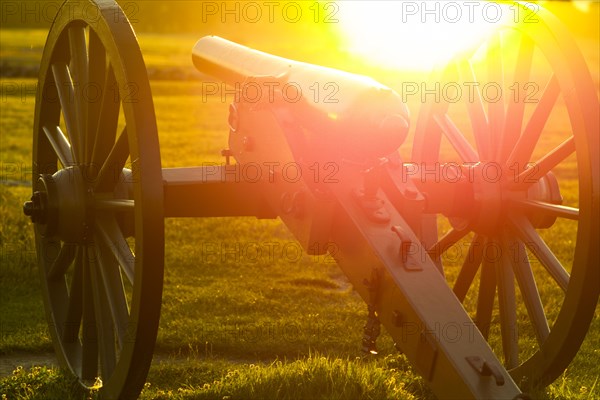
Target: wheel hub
<point x="59" y="205"/>
<point x="36" y="209"/>
<point x="547" y="190"/>
<point x="487" y="196"/>
<point x="485" y="208"/>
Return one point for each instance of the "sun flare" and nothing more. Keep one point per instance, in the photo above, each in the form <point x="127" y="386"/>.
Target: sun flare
<point x="417" y="35"/>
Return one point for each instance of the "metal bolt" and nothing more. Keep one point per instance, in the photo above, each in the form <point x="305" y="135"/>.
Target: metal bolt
<point x="29" y="208"/>
<point x="411" y="193"/>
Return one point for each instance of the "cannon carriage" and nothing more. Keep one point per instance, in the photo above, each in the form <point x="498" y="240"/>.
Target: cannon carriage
<point x="100" y="198"/>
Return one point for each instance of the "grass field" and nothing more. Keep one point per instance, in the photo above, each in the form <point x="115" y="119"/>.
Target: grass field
<point x="238" y="323"/>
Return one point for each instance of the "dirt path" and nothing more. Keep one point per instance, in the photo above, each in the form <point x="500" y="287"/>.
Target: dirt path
<point x="8" y="363"/>
<point x="26" y="360"/>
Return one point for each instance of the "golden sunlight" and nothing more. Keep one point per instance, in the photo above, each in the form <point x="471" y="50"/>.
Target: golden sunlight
<point x="418" y="35"/>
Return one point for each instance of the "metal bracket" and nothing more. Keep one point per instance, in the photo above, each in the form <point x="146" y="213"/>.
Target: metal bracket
<point x="227" y="153"/>
<point x="373" y="206"/>
<point x="405" y="249"/>
<point x="367" y="197"/>
<point x="485" y="369"/>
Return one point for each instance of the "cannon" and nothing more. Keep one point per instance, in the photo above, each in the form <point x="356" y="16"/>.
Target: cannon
<point x="100" y="198"/>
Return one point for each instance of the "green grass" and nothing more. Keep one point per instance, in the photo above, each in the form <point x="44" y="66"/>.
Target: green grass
<point x="313" y="377"/>
<point x="309" y="378"/>
<point x="235" y="325"/>
<point x="41" y="383"/>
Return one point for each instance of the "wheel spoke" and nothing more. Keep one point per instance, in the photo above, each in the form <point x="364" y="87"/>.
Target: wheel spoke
<point x="525" y="230"/>
<point x="79" y="73"/>
<point x="486" y="295"/>
<point x="554" y="210"/>
<point x="546" y="163"/>
<point x="516" y="105"/>
<point x="456" y="139"/>
<point x="70" y="332"/>
<point x="61" y="263"/>
<point x="479" y="122"/>
<point x="79" y="54"/>
<point x="447" y="241"/>
<point x="115" y="292"/>
<point x="104" y="322"/>
<point x="66" y="97"/>
<point x="496" y="109"/>
<point x="523" y="150"/>
<point x="469" y="268"/>
<point x="97" y="72"/>
<point x="528" y="288"/>
<point x="89" y="342"/>
<point x="107" y="120"/>
<point x="110" y="172"/>
<point x="113" y="238"/>
<point x="60" y="144"/>
<point x="507" y="306"/>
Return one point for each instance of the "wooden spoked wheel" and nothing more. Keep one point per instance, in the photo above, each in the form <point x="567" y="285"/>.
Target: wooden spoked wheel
<point x="97" y="201"/>
<point x="516" y="192"/>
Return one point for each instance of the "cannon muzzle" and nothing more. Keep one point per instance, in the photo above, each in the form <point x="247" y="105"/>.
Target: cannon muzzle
<point x="350" y="114"/>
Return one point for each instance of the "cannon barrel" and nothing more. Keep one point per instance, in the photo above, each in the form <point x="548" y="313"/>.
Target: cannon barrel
<point x="353" y="114"/>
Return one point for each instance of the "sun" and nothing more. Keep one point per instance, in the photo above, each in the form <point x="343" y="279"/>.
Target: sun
<point x="417" y="35"/>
